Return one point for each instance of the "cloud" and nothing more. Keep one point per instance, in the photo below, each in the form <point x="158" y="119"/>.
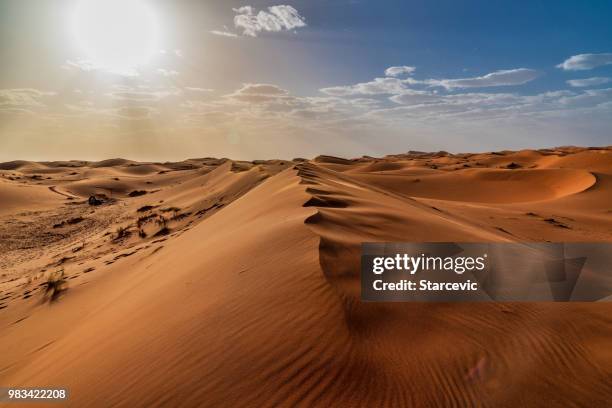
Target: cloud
<point x="582" y="62"/>
<point x="259" y="93"/>
<point x="378" y="86"/>
<point x="19" y="98"/>
<point x="198" y="89"/>
<point x="275" y="19"/>
<point x="588" y="99"/>
<point x="507" y="77"/>
<point x="259" y="89"/>
<point x="224" y="33"/>
<point x="411" y="96"/>
<point x="85" y="65"/>
<point x="143" y="93"/>
<point x="397" y="71"/>
<point x="396" y="86"/>
<point x="167" y="72"/>
<point x="581" y="83"/>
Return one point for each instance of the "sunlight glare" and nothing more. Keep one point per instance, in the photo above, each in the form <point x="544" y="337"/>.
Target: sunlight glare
<point x="116" y="35"/>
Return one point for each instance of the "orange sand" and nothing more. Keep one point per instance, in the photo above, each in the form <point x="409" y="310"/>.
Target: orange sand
<point x="237" y="284"/>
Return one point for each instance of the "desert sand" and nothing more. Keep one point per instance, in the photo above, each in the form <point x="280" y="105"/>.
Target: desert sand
<point x="221" y="283"/>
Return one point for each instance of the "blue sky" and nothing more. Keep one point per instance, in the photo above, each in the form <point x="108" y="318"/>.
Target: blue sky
<point x="300" y="78"/>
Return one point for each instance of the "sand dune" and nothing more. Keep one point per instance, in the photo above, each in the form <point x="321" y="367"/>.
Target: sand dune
<point x="231" y="283"/>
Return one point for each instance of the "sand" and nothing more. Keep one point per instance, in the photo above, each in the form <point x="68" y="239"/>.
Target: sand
<point x="213" y="282"/>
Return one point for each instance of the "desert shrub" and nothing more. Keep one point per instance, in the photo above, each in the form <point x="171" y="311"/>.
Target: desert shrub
<point x="137" y="193"/>
<point x="54" y="285"/>
<point x="144" y="219"/>
<point x="170" y="209"/>
<point x="161" y="221"/>
<point x="121" y="232"/>
<point x="163" y="231"/>
<point x="145" y="208"/>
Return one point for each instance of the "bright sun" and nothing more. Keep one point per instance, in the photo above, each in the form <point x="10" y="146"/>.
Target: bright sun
<point x="117" y="35"/>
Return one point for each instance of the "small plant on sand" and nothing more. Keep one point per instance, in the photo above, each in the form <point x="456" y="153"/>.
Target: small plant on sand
<point x="54" y="285"/>
<point x="121" y="232"/>
<point x="142" y="234"/>
<point x="163" y="223"/>
<point x="142" y="220"/>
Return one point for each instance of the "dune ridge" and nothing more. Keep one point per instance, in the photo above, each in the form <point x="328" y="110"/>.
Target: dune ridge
<point x="233" y="283"/>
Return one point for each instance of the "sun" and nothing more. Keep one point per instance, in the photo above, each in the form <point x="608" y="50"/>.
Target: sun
<point x="116" y="35"/>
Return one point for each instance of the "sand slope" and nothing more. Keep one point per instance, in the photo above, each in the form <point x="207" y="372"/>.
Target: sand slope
<point x="236" y="283"/>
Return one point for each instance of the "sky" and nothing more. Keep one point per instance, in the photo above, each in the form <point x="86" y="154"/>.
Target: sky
<point x="169" y="80"/>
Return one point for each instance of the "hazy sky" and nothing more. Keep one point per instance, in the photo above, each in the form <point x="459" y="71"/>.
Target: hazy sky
<point x="167" y="80"/>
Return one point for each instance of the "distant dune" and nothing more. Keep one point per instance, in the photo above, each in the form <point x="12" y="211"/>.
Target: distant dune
<point x="222" y="283"/>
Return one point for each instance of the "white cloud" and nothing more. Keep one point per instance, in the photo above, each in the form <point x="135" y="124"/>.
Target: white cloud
<point x="581" y="83"/>
<point x="259" y="93"/>
<point x="276" y="18"/>
<point x="506" y="77"/>
<point x="378" y="86"/>
<point x="224" y="33"/>
<point x="167" y="72"/>
<point x="198" y="90"/>
<point x="400" y="70"/>
<point x="582" y="62"/>
<point x="588" y="99"/>
<point x="396" y="86"/>
<point x="85" y="65"/>
<point x="411" y="96"/>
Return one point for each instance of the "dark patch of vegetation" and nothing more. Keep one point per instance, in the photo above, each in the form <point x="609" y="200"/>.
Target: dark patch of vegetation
<point x="556" y="223"/>
<point x="55" y="285"/>
<point x="93" y="200"/>
<point x="144" y="219"/>
<point x="513" y="165"/>
<point x="145" y="208"/>
<point x="137" y="193"/>
<point x="142" y="234"/>
<point x="204" y="211"/>
<point x="178" y="217"/>
<point x="75" y="220"/>
<point x="163" y="231"/>
<point x="120" y="233"/>
<point x="170" y="209"/>
<point x="71" y="221"/>
<point x="161" y="221"/>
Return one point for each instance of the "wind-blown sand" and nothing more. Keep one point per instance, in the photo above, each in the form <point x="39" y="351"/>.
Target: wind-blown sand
<point x="213" y="282"/>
